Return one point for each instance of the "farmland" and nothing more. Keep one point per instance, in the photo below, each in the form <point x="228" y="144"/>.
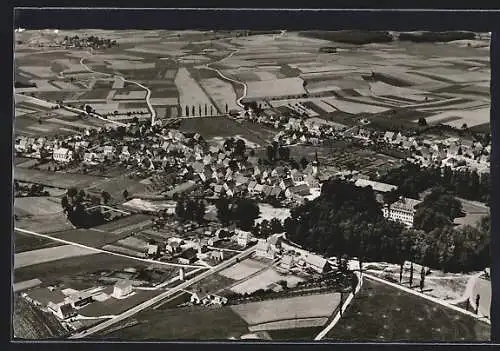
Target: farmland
<point x="312" y="306"/>
<point x="382" y="313"/>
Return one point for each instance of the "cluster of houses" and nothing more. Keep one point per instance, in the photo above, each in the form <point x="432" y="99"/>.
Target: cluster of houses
<point x="65" y="303"/>
<point x="290" y="257"/>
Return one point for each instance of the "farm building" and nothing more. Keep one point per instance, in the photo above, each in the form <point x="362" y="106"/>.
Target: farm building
<point x="188" y="256"/>
<point x="207" y="299"/>
<point x="318" y="263"/>
<point x="62" y="310"/>
<point x="122" y="289"/>
<point x="80" y="298"/>
<point x="402" y="211"/>
<point x="287" y="262"/>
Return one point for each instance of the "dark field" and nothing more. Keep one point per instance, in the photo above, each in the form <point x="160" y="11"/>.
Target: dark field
<point x="382" y="313"/>
<point x="299" y="334"/>
<point x="225" y="127"/>
<point x="114" y="306"/>
<point x="187" y="323"/>
<point x="26" y="242"/>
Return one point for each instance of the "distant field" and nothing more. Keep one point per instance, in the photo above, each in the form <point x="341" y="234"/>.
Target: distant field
<point x="190" y="93"/>
<point x="88" y="237"/>
<point x="45" y="224"/>
<point x="221" y="92"/>
<point x="382" y="313"/>
<point x="53" y="179"/>
<point x="187" y="323"/>
<point x="224" y="127"/>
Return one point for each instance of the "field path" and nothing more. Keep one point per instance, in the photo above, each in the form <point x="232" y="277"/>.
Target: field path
<point x="223" y="76"/>
<point x="148" y="91"/>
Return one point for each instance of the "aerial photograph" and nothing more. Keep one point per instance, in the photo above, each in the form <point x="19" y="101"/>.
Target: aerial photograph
<point x="269" y="185"/>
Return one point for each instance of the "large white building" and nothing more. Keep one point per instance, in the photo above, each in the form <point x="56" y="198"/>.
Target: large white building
<point x="62" y="155"/>
<point x="402" y="211"/>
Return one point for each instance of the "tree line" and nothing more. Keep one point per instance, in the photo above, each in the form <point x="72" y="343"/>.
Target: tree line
<point x="467" y="184"/>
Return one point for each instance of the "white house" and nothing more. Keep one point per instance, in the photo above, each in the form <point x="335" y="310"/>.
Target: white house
<point x="122" y="289"/>
<point x="62" y="155"/>
<point x="402" y="211"/>
<point x="108" y="150"/>
<point x="243" y="237"/>
<point x="318" y="263"/>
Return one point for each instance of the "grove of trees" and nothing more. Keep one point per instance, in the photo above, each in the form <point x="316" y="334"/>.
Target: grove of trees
<point x="347" y="220"/>
<point x="241" y="211"/>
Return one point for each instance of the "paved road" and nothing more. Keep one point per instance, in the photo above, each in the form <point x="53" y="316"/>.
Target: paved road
<point x="162" y="296"/>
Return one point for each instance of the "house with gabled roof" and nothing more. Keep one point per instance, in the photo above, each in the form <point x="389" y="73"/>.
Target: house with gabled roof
<point x="286" y="183"/>
<point x="388" y="137"/>
<point x="317" y="263"/>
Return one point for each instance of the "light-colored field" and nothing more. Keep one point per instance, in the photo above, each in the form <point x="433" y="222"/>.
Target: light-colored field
<point x="65" y="85"/>
<point x="471" y="118"/>
<point x="324" y="106"/>
<point x="290" y="324"/>
<point x="24" y="98"/>
<point x="50" y="254"/>
<point x="468" y="105"/>
<point x="171" y="49"/>
<point x="221" y="92"/>
<point x="315" y="67"/>
<point x="27" y="284"/>
<point x="72" y="124"/>
<point x="353" y="107"/>
<point x="455" y="75"/>
<point x="133" y="243"/>
<point x="264" y="280"/>
<point x="268" y="212"/>
<point x="43" y="85"/>
<point x="190" y="93"/>
<point x="279" y="87"/>
<point x="381" y="88"/>
<point x="131" y="95"/>
<point x="37" y="206"/>
<point x="164" y="101"/>
<point x="242" y="269"/>
<point x="266" y="75"/>
<point x="131" y="65"/>
<point x="310" y="306"/>
<point x="45" y="224"/>
<point x="118" y="83"/>
<point x="39" y="129"/>
<point x="38" y="71"/>
<point x="190" y="59"/>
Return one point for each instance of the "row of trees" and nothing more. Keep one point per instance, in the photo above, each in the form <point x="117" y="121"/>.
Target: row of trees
<point x="266" y="228"/>
<point x="192" y="110"/>
<point x="467" y="184"/>
<point x="346" y="220"/>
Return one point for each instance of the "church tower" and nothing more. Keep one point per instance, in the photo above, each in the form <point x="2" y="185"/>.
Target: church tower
<point x="315" y="166"/>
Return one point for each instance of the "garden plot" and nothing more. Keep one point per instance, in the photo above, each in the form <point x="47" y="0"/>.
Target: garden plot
<point x="190" y="93"/>
<point x="311" y="306"/>
<point x="264" y="280"/>
<point x="221" y="92"/>
<point x="37" y="206"/>
<point x="471" y="118"/>
<point x="38" y="71"/>
<point x="29" y="258"/>
<point x="243" y="269"/>
<point x="133" y="243"/>
<point x="279" y="87"/>
<point x="353" y="107"/>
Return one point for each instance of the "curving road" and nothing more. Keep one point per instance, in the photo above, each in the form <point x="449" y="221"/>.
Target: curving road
<point x="148" y="91"/>
<point x="223" y="76"/>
